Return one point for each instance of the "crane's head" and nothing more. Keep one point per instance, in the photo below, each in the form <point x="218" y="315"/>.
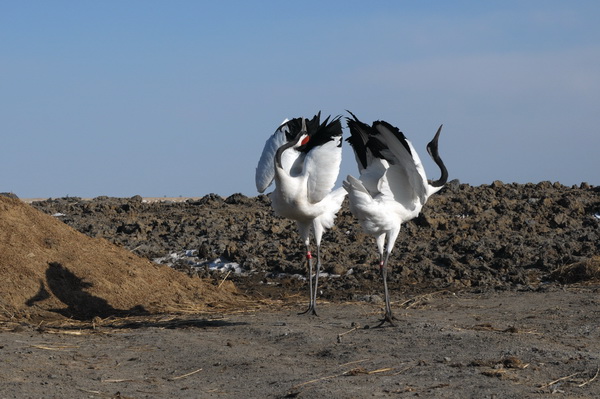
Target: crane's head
<point x="298" y="141"/>
<point x="303" y="136"/>
<point x="432" y="146"/>
<point x="432" y="149"/>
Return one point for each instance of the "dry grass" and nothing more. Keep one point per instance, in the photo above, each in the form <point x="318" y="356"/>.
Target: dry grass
<point x="585" y="271"/>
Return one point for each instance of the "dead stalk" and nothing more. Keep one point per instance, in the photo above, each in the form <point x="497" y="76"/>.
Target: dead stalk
<point x="590" y="380"/>
<point x="417" y="299"/>
<point x="383" y="370"/>
<point x="224" y="278"/>
<point x="185" y="375"/>
<point x="12" y="315"/>
<point x="558" y="380"/>
<point x="354" y="362"/>
<point x="351" y="372"/>
<point x="340" y="335"/>
<point x="54" y="348"/>
<point x="94" y="392"/>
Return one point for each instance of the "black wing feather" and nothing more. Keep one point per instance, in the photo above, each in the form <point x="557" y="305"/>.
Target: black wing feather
<point x="399" y="135"/>
<point x="321" y="133"/>
<point x="359" y="137"/>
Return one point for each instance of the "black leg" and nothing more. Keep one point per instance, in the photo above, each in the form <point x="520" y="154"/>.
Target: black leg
<point x="388" y="316"/>
<point x="311" y="289"/>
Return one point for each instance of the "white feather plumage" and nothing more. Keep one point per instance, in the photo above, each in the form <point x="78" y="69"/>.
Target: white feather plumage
<point x="392" y="187"/>
<point x="304" y="176"/>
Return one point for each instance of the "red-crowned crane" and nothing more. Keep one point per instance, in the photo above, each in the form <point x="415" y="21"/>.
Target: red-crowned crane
<point x="392" y="187"/>
<point x="303" y="157"/>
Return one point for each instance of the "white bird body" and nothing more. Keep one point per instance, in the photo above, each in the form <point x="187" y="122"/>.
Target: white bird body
<point x="303" y="158"/>
<point x="392" y="187"/>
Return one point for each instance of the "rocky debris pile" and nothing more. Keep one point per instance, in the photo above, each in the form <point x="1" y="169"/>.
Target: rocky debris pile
<point x="497" y="235"/>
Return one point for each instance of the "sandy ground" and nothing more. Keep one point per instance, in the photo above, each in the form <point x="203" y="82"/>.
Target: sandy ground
<point x="446" y="345"/>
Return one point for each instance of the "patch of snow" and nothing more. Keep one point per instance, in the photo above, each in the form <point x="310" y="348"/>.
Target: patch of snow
<point x="299" y="276"/>
<point x="223" y="265"/>
<point x="190" y="257"/>
<point x="58" y="214"/>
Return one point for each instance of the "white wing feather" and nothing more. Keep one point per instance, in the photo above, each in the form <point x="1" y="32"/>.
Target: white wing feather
<point x="360" y="198"/>
<point x="420" y="169"/>
<point x="322" y="166"/>
<point x="406" y="175"/>
<point x="265" y="171"/>
<point x="372" y="175"/>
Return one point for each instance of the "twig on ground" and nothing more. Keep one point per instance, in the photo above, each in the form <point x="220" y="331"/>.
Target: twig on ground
<point x="94" y="392"/>
<point x="339" y="337"/>
<point x="10" y="314"/>
<point x="354" y="362"/>
<point x="317" y="380"/>
<point x="418" y="298"/>
<point x="224" y="278"/>
<point x="590" y="380"/>
<point x="185" y="375"/>
<point x="558" y="380"/>
<point x="106" y="395"/>
<point x="383" y="370"/>
<point x="351" y="372"/>
<point x="54" y="348"/>
<point x="489" y="327"/>
<point x="67" y="332"/>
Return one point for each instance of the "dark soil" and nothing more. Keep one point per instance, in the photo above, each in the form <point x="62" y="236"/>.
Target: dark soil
<point x="502" y="236"/>
<point x="495" y="289"/>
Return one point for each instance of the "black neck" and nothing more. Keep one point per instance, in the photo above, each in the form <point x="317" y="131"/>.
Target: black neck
<point x="284" y="147"/>
<point x="432" y="149"/>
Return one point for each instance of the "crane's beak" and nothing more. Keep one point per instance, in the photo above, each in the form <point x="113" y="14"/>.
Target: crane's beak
<point x="432" y="147"/>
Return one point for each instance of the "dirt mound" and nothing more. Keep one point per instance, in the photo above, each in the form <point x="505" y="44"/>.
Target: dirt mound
<point x="50" y="269"/>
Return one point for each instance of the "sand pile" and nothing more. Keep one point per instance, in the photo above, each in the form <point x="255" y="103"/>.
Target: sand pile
<point x="49" y="269"/>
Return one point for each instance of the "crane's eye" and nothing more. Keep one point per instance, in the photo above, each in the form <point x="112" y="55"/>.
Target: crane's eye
<point x="305" y="140"/>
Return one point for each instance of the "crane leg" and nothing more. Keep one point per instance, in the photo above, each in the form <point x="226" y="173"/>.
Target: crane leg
<point x="315" y="291"/>
<point x="311" y="289"/>
<point x="388" y="316"/>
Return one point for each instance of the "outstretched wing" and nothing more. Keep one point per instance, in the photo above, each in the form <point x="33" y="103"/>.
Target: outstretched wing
<point x="322" y="163"/>
<point x="367" y="150"/>
<point x="405" y="176"/>
<point x="265" y="171"/>
<point x="322" y="168"/>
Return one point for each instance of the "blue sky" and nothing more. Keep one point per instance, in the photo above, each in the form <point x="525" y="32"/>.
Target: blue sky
<point x="176" y="98"/>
